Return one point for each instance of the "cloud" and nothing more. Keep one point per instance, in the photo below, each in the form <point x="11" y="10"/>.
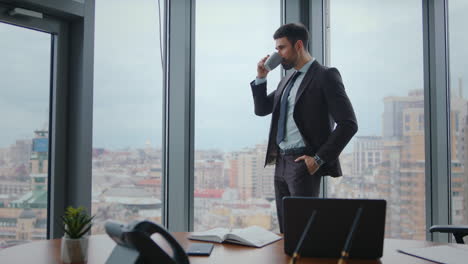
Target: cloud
<point x="376" y="45"/>
<point x="25" y="82"/>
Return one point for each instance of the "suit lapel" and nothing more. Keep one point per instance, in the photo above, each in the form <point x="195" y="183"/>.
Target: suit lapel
<point x="310" y="75"/>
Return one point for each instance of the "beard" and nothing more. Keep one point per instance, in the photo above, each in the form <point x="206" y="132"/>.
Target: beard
<point x="287" y="65"/>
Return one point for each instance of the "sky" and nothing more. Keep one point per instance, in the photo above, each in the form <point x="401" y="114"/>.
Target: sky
<point x="25" y="82"/>
<point x="376" y="45"/>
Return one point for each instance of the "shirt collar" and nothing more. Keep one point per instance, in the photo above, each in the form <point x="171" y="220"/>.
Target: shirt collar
<point x="306" y="66"/>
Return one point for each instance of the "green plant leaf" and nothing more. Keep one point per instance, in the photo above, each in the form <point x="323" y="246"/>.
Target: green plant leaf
<point x="76" y="222"/>
<point x="85" y="231"/>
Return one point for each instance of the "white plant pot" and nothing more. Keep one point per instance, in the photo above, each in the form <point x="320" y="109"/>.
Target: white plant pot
<point x="74" y="250"/>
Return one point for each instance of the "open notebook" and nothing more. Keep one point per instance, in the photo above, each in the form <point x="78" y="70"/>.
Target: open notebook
<point x="253" y="236"/>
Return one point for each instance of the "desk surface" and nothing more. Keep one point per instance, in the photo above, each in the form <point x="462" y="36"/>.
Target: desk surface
<point x="100" y="247"/>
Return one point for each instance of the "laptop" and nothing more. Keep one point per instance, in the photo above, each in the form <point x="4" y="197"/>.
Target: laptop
<point x="333" y="220"/>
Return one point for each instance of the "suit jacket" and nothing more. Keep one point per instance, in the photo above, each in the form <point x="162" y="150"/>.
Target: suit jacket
<point x="321" y="101"/>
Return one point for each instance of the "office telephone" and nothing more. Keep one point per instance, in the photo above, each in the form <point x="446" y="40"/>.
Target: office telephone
<point x="134" y="244"/>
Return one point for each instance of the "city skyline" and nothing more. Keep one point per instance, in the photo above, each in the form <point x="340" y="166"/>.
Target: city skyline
<point x="233" y="188"/>
<point x="376" y="46"/>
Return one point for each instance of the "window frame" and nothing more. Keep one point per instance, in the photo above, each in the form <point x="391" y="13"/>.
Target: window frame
<point x="56" y="30"/>
<point x="70" y="122"/>
<point x="71" y="132"/>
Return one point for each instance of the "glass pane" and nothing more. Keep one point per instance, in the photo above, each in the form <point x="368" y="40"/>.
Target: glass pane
<point x="127" y="121"/>
<point x="232" y="188"/>
<point x="458" y="107"/>
<point x="377" y="46"/>
<point x="24" y="144"/>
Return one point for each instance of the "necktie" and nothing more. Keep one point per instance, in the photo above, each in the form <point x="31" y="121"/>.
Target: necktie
<point x="284" y="109"/>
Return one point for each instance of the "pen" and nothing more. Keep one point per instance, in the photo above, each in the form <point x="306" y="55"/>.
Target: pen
<point x="349" y="239"/>
<point x="304" y="233"/>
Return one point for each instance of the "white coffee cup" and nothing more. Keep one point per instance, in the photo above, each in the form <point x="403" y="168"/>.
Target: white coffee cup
<point x="273" y="61"/>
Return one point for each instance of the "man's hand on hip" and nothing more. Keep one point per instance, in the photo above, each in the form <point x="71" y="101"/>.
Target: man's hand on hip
<point x="310" y="162"/>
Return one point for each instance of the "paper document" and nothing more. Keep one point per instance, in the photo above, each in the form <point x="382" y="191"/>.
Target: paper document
<point x="439" y="254"/>
<point x="253" y="236"/>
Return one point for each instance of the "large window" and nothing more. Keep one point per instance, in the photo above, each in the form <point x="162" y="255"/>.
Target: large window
<point x="378" y="48"/>
<point x="127" y="124"/>
<point x="458" y="109"/>
<point x="24" y="145"/>
<point x="232" y="187"/>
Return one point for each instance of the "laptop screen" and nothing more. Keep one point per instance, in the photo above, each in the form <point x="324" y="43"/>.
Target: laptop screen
<point x="332" y="223"/>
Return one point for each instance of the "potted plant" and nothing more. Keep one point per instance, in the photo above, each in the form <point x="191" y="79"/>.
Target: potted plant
<point x="76" y="224"/>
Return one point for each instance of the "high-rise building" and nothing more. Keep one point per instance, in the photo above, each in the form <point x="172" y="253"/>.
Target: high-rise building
<point x="367" y="153"/>
<point x="209" y="174"/>
<point x="459" y="176"/>
<point x="462" y="205"/>
<point x="37" y="198"/>
<point x="20" y="152"/>
<point x="24" y="218"/>
<point x="253" y="179"/>
<point x="403" y="168"/>
<point x="265" y="175"/>
<point x="246" y="180"/>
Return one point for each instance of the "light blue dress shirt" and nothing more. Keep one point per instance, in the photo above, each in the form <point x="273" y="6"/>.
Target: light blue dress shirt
<point x="293" y="138"/>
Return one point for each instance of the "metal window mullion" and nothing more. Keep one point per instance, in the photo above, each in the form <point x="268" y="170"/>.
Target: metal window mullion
<point x="56" y="185"/>
<point x="311" y="13"/>
<point x="295" y="11"/>
<point x="437" y="116"/>
<point x="51" y="128"/>
<point x="317" y="44"/>
<point x="178" y="115"/>
<point x="75" y="116"/>
<point x="317" y="30"/>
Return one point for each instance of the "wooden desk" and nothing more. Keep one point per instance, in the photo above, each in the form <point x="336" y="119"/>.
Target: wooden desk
<point x="100" y="247"/>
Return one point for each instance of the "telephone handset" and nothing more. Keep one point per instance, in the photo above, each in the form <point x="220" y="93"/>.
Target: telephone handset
<point x="134" y="244"/>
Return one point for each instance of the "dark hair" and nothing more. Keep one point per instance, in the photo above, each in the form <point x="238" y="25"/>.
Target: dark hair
<point x="293" y="32"/>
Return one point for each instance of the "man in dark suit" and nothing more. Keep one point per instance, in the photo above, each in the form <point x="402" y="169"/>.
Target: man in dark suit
<point x="303" y="142"/>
